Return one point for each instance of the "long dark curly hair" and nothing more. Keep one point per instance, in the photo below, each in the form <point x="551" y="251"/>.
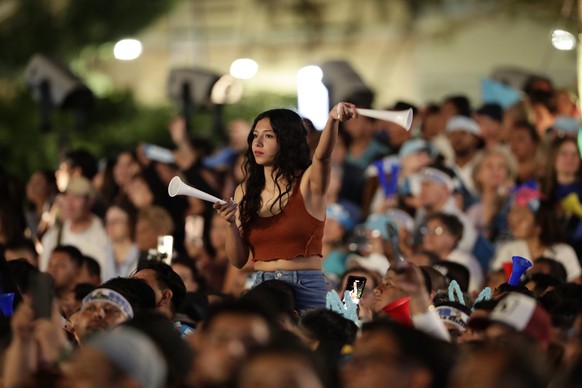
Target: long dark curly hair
<point x="291" y="161"/>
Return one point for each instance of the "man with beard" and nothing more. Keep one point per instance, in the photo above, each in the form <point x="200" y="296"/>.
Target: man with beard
<point x="465" y="137"/>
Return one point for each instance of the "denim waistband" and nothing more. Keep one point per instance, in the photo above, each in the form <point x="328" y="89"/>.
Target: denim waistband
<point x="283" y="274"/>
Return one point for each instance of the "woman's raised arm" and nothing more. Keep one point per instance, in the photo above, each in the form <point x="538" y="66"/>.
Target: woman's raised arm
<point x="319" y="172"/>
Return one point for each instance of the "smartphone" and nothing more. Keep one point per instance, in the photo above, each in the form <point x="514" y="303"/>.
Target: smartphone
<point x="355" y="285"/>
<point x="165" y="248"/>
<point x="41" y="287"/>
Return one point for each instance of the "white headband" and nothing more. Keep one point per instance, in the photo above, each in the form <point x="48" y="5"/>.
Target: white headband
<point x="112" y="297"/>
<point x="436" y="175"/>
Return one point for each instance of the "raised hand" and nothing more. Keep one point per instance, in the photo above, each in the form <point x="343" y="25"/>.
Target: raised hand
<point x="344" y="111"/>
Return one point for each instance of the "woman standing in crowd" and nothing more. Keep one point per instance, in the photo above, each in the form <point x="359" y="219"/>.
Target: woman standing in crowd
<point x="282" y="202"/>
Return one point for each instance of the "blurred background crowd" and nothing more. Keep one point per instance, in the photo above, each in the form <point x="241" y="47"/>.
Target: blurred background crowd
<point x="107" y="281"/>
<point x="457" y="196"/>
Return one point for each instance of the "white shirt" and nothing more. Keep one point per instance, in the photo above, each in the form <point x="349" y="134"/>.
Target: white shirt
<point x="91" y="242"/>
<point x="443" y="146"/>
<point x="465" y="174"/>
<point x="562" y="253"/>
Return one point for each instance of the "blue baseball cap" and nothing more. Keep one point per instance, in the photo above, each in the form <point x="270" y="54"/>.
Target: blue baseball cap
<point x="379" y="222"/>
<point x="345" y="213"/>
<point x="414" y="146"/>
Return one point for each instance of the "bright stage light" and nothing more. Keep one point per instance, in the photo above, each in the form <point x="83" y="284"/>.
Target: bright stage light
<point x="563" y="40"/>
<point x="127" y="49"/>
<point x="244" y="68"/>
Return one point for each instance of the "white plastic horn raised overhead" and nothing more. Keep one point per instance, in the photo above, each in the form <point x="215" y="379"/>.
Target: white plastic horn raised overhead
<point x="400" y="117"/>
<point x="177" y="187"/>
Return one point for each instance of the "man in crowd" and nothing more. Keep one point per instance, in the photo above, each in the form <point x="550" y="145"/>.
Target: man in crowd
<point x="230" y="331"/>
<point x="169" y="290"/>
<point x="79" y="226"/>
<point x="489" y="118"/>
<point x="64" y="267"/>
<point x="465" y="137"/>
<point x="383" y="357"/>
<point x="115" y="302"/>
<point x="124" y="358"/>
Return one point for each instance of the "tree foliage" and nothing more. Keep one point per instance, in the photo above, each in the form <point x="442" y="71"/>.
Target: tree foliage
<point x="66" y="28"/>
<point x="116" y="123"/>
<point x="63" y="28"/>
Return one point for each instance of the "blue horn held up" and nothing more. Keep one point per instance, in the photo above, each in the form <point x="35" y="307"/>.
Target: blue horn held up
<point x="520" y="265"/>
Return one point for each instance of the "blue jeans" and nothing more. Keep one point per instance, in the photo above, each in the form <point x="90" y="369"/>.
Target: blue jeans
<point x="310" y="286"/>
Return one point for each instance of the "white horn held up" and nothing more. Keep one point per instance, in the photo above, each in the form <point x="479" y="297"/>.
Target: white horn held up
<point x="177" y="187"/>
<point x="400" y="117"/>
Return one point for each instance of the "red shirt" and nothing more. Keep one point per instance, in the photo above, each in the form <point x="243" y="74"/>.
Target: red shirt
<point x="291" y="233"/>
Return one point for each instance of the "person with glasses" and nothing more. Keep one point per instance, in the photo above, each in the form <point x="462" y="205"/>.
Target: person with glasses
<point x="441" y="235"/>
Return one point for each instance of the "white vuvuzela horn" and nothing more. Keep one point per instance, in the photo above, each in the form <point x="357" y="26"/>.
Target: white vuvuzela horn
<point x="400" y="117"/>
<point x="177" y="187"/>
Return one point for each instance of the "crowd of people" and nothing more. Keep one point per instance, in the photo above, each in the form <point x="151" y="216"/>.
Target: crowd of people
<point x="251" y="291"/>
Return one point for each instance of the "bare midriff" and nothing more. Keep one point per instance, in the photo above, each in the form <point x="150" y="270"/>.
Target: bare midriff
<point x="313" y="262"/>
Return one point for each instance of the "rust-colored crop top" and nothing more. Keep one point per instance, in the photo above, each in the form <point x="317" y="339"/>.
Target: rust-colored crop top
<point x="292" y="233"/>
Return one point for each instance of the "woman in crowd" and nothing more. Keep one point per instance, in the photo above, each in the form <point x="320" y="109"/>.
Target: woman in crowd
<point x="537" y="233"/>
<point x="494" y="177"/>
<point x="122" y="251"/>
<point x="114" y="177"/>
<point x="283" y="202"/>
<point x="147" y="190"/>
<point x="563" y="186"/>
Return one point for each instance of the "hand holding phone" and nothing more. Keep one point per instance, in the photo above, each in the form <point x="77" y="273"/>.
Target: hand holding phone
<point x="41" y="285"/>
<point x="355" y="285"/>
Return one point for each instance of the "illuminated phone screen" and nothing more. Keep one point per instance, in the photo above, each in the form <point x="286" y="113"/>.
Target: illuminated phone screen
<point x="165" y="248"/>
<point x="355" y="285"/>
